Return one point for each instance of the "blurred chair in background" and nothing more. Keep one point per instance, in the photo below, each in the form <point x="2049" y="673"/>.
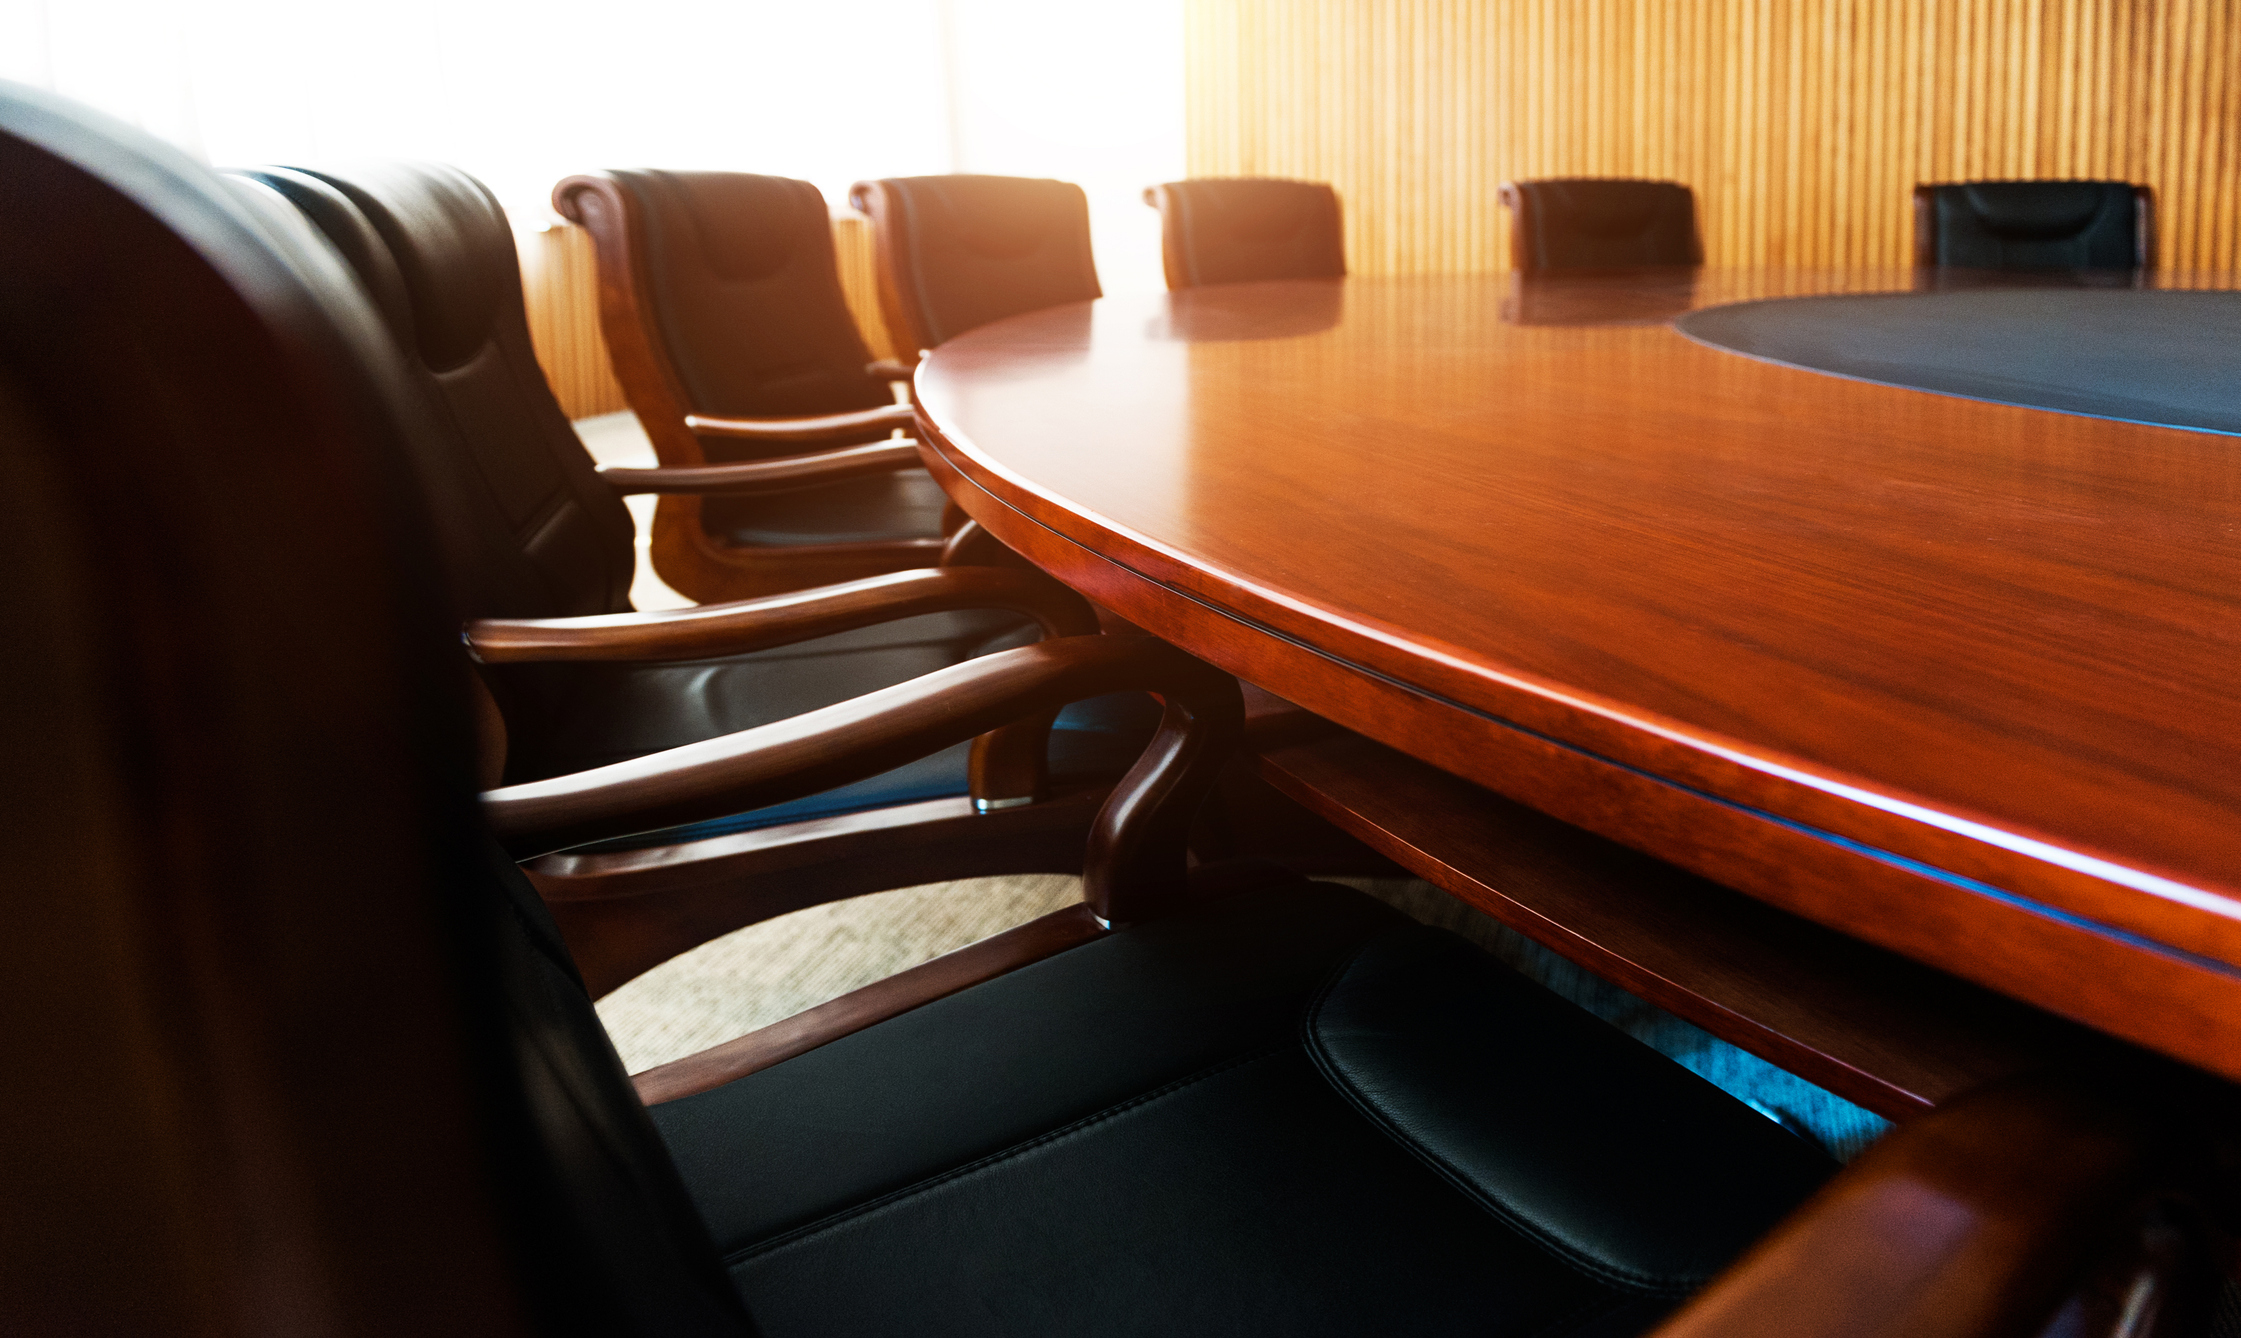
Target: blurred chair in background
<point x="1242" y="229"/>
<point x="1600" y="223"/>
<point x="721" y="304"/>
<point x="956" y="252"/>
<point x="1992" y="225"/>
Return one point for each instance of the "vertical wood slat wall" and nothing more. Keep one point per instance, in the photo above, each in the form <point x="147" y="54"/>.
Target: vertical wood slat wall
<point x="560" y="286"/>
<point x="1803" y="125"/>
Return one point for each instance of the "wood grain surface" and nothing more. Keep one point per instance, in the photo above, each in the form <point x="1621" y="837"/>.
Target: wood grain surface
<point x="1980" y="1220"/>
<point x="1950" y="676"/>
<point x="1802" y="125"/>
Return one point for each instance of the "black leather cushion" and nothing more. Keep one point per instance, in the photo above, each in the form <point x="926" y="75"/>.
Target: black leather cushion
<point x="1291" y="1111"/>
<point x="905" y="504"/>
<point x="1602" y="223"/>
<point x="745" y="289"/>
<point x="433" y="248"/>
<point x="2036" y="225"/>
<point x="1243" y="229"/>
<point x="974" y="249"/>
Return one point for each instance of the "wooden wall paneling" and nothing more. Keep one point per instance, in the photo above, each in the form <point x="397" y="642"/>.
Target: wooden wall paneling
<point x="859" y="281"/>
<point x="1802" y="124"/>
<point x="560" y="288"/>
<point x="560" y="285"/>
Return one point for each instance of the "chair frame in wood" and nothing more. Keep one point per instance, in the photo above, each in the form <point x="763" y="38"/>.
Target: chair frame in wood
<point x="695" y="562"/>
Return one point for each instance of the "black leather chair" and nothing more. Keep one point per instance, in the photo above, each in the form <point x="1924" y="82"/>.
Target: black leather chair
<point x="1243" y="229"/>
<point x="1995" y="225"/>
<point x="721" y="304"/>
<point x="541" y="548"/>
<point x="319" y="1061"/>
<point x="1600" y="223"/>
<point x="956" y="252"/>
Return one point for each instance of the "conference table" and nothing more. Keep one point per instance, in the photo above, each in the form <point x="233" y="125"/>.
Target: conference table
<point x="1688" y="560"/>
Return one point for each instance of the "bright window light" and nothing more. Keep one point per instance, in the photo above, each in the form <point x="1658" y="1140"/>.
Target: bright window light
<point x="522" y="95"/>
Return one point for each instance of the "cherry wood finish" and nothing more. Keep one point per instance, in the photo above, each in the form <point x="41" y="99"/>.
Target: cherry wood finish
<point x="751" y="476"/>
<point x="691" y="560"/>
<point x="1134" y="855"/>
<point x="824" y="427"/>
<point x="776" y="620"/>
<point x="996" y="955"/>
<point x="1951" y="677"/>
<point x="971" y="546"/>
<point x="2016" y="1205"/>
<point x="1873" y="1027"/>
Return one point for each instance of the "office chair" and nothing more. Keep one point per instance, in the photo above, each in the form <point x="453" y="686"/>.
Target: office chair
<point x="1600" y="223"/>
<point x="1996" y="225"/>
<point x="1243" y="229"/>
<point x="721" y="304"/>
<point x="956" y="252"/>
<point x="540" y="545"/>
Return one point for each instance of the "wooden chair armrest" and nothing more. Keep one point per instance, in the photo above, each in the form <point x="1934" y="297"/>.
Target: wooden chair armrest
<point x="828" y="427"/>
<point x="1977" y="1220"/>
<point x="776" y="475"/>
<point x="1135" y="864"/>
<point x="887" y="369"/>
<point x="779" y="620"/>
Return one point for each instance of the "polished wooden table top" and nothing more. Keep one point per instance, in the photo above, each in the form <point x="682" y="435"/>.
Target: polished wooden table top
<point x="1951" y="675"/>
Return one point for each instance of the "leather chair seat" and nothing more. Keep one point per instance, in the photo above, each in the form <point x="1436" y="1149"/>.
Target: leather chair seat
<point x="584" y="715"/>
<point x="903" y="505"/>
<point x="1288" y="1111"/>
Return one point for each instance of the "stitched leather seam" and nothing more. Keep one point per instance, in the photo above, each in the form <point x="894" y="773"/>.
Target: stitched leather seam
<point x="1569" y="1255"/>
<point x="1016" y="1150"/>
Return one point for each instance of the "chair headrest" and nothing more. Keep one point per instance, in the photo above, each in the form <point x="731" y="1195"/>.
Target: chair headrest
<point x="2040" y="209"/>
<point x="451" y="247"/>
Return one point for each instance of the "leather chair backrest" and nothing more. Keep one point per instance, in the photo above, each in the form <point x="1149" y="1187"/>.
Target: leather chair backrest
<point x="957" y="252"/>
<point x="305" y="1054"/>
<point x="743" y="285"/>
<point x="1601" y="223"/>
<point x="2033" y="225"/>
<point x="1243" y="229"/>
<point x="433" y="248"/>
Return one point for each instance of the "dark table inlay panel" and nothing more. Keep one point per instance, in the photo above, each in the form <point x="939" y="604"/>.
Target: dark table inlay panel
<point x="2172" y="359"/>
